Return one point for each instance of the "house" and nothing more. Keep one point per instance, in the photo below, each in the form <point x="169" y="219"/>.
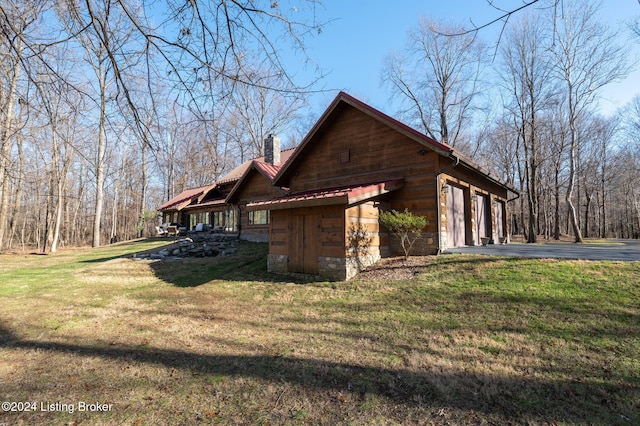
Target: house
<point x="210" y="205"/>
<point x="357" y="161"/>
<point x="318" y="205"/>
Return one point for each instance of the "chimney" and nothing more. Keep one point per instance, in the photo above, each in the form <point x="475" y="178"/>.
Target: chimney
<point x="272" y="149"/>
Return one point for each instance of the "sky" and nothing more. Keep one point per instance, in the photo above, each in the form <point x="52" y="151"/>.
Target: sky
<point x="352" y="46"/>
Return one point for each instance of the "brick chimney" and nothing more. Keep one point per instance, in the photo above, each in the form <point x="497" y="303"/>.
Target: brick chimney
<point x="272" y="149"/>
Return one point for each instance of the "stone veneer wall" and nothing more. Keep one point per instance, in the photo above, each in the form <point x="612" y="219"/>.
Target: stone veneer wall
<point x="343" y="269"/>
<point x="277" y="263"/>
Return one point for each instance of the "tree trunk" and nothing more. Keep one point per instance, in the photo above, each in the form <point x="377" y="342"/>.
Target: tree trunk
<point x="5" y="145"/>
<point x="586" y="215"/>
<point x="571" y="184"/>
<point x="143" y="190"/>
<point x="102" y="142"/>
<point x="16" y="213"/>
<point x="556" y="221"/>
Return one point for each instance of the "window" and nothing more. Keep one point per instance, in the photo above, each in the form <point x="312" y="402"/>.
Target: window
<point x="224" y="220"/>
<point x="259" y="217"/>
<point x="194" y="219"/>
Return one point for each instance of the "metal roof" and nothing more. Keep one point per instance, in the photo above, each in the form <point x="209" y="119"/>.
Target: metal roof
<point x="185" y="198"/>
<point x="349" y="195"/>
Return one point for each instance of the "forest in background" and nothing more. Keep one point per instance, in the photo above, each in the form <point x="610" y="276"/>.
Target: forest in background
<point x="109" y="108"/>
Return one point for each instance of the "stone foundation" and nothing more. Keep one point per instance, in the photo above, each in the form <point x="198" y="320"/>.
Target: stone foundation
<point x="278" y="263"/>
<point x="343" y="269"/>
<point x="255" y="238"/>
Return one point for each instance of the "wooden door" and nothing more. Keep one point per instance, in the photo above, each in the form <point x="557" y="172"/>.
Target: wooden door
<point x="304" y="243"/>
<point x="482" y="217"/>
<point x="311" y="243"/>
<point x="456" y="228"/>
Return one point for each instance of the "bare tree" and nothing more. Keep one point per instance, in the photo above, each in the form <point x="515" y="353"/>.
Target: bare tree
<point x="102" y="32"/>
<point x="15" y="21"/>
<point x="254" y="112"/>
<point x="436" y="79"/>
<point x="527" y="78"/>
<point x="587" y="57"/>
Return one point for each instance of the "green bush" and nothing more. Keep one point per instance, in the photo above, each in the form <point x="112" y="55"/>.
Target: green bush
<point x="406" y="226"/>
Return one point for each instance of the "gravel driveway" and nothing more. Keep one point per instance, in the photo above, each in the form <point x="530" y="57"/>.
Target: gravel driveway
<point x="627" y="250"/>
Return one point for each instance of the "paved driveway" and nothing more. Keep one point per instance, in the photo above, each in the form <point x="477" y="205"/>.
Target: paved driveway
<point x="627" y="250"/>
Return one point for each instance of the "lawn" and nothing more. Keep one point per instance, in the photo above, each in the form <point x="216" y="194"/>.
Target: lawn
<point x="94" y="337"/>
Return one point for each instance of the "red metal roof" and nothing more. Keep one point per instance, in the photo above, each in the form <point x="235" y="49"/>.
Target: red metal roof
<point x="218" y="202"/>
<point x="269" y="170"/>
<point x="239" y="171"/>
<point x="338" y="195"/>
<point x="184" y="198"/>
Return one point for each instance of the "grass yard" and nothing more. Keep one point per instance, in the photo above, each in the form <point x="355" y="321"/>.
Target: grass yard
<point x="93" y="337"/>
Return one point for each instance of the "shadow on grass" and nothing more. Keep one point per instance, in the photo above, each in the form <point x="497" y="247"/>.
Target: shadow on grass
<point x="249" y="263"/>
<point x="125" y="246"/>
<point x="515" y="399"/>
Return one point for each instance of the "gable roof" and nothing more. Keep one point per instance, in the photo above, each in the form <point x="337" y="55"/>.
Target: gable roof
<point x="334" y="108"/>
<point x="188" y="196"/>
<point x="269" y="171"/>
<point x="185" y="198"/>
<point x="239" y="171"/>
<point x="343" y="99"/>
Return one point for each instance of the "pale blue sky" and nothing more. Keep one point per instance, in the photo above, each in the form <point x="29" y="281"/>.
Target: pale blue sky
<point x="353" y="46"/>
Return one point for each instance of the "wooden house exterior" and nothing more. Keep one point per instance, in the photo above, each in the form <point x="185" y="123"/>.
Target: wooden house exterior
<point x="256" y="184"/>
<point x="357" y="161"/>
<point x="221" y="205"/>
<point x="318" y="205"/>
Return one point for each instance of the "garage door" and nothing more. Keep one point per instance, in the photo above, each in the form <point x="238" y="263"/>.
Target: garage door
<point x="456" y="230"/>
<point x="499" y="219"/>
<point x="482" y="217"/>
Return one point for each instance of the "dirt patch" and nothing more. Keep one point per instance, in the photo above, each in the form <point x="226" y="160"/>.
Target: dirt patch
<point x="396" y="268"/>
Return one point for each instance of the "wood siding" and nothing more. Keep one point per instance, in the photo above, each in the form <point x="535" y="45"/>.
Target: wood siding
<point x="375" y="152"/>
<point x="362" y="227"/>
<point x="254" y="187"/>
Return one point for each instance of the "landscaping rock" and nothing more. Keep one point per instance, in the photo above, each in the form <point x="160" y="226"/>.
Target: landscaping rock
<point x="199" y="245"/>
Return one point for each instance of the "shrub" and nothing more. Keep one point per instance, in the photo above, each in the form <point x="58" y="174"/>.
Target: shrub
<point x="406" y="226"/>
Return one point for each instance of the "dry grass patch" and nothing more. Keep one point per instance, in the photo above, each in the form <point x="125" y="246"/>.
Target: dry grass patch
<point x="447" y="340"/>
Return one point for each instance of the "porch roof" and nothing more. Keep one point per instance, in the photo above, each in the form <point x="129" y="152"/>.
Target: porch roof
<point x="203" y="205"/>
<point x="347" y="195"/>
<point x="185" y="198"/>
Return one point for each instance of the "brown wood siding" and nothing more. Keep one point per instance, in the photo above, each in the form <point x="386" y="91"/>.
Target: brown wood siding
<point x="255" y="187"/>
<point x="468" y="177"/>
<point x="483" y="218"/>
<point x="362" y="229"/>
<point x="354" y="148"/>
<point x="279" y="232"/>
<point x="376" y="152"/>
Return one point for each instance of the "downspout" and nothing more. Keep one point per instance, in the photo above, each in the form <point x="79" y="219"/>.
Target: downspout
<point x="456" y="159"/>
